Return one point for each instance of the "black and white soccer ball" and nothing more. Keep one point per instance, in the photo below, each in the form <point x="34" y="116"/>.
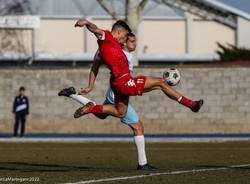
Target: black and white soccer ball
<point x="172" y="76"/>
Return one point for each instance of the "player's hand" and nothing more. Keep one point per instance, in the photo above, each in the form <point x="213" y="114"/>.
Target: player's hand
<point x="85" y="91"/>
<point x="81" y="23"/>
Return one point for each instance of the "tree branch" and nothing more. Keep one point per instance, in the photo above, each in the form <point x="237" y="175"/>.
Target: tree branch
<point x="143" y="4"/>
<point x="108" y="8"/>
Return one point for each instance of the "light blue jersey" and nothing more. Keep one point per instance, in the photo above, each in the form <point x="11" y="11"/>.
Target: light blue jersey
<point x="131" y="116"/>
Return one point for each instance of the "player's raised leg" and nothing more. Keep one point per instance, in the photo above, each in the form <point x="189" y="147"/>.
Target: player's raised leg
<point x="119" y="109"/>
<point x="71" y="92"/>
<point x="154" y="83"/>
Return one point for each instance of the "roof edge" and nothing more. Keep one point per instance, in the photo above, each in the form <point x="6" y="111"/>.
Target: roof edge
<point x="228" y="8"/>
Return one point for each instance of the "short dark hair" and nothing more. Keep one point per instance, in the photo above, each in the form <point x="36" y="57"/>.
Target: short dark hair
<point x="131" y="34"/>
<point x="119" y="24"/>
<point x="22" y="88"/>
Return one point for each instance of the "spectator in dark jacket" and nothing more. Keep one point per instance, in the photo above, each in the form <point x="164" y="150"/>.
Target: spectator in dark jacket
<point x="20" y="111"/>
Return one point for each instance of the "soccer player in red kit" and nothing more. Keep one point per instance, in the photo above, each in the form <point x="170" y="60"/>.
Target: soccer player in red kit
<point x="121" y="82"/>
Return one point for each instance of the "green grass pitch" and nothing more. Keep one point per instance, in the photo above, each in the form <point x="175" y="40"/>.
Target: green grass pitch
<point x="177" y="163"/>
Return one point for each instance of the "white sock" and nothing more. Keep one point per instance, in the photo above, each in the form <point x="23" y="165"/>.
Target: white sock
<point x="81" y="99"/>
<point x="140" y="145"/>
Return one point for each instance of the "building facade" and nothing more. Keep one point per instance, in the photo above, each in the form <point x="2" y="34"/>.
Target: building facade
<point x="44" y="30"/>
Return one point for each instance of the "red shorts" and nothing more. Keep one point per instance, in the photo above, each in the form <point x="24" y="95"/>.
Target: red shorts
<point x="128" y="86"/>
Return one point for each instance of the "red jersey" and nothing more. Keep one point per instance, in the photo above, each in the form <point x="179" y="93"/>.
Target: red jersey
<point x="113" y="56"/>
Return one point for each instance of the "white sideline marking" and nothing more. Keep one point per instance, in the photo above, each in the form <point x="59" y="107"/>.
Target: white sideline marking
<point x="158" y="174"/>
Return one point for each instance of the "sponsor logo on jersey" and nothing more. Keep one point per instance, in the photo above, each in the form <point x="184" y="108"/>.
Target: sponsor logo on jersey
<point x="131" y="82"/>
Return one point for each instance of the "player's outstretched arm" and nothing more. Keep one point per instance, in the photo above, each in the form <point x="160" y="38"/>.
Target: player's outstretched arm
<point x="92" y="75"/>
<point x="90" y="26"/>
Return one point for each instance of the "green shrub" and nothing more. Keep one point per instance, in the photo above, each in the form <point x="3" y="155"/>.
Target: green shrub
<point x="233" y="53"/>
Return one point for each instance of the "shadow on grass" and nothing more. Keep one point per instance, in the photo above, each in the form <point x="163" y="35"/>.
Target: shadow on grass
<point x="36" y="167"/>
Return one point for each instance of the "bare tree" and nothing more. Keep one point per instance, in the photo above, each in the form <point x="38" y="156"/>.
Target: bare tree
<point x="133" y="14"/>
<point x="12" y="39"/>
<point x="14" y="7"/>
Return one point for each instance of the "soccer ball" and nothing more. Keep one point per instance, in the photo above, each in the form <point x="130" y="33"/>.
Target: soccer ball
<point x="172" y="76"/>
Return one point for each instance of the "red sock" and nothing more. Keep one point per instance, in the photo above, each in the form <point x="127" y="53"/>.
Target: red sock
<point x="187" y="102"/>
<point x="95" y="109"/>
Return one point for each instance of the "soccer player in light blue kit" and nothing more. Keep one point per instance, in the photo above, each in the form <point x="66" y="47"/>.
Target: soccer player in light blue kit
<point x="131" y="119"/>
